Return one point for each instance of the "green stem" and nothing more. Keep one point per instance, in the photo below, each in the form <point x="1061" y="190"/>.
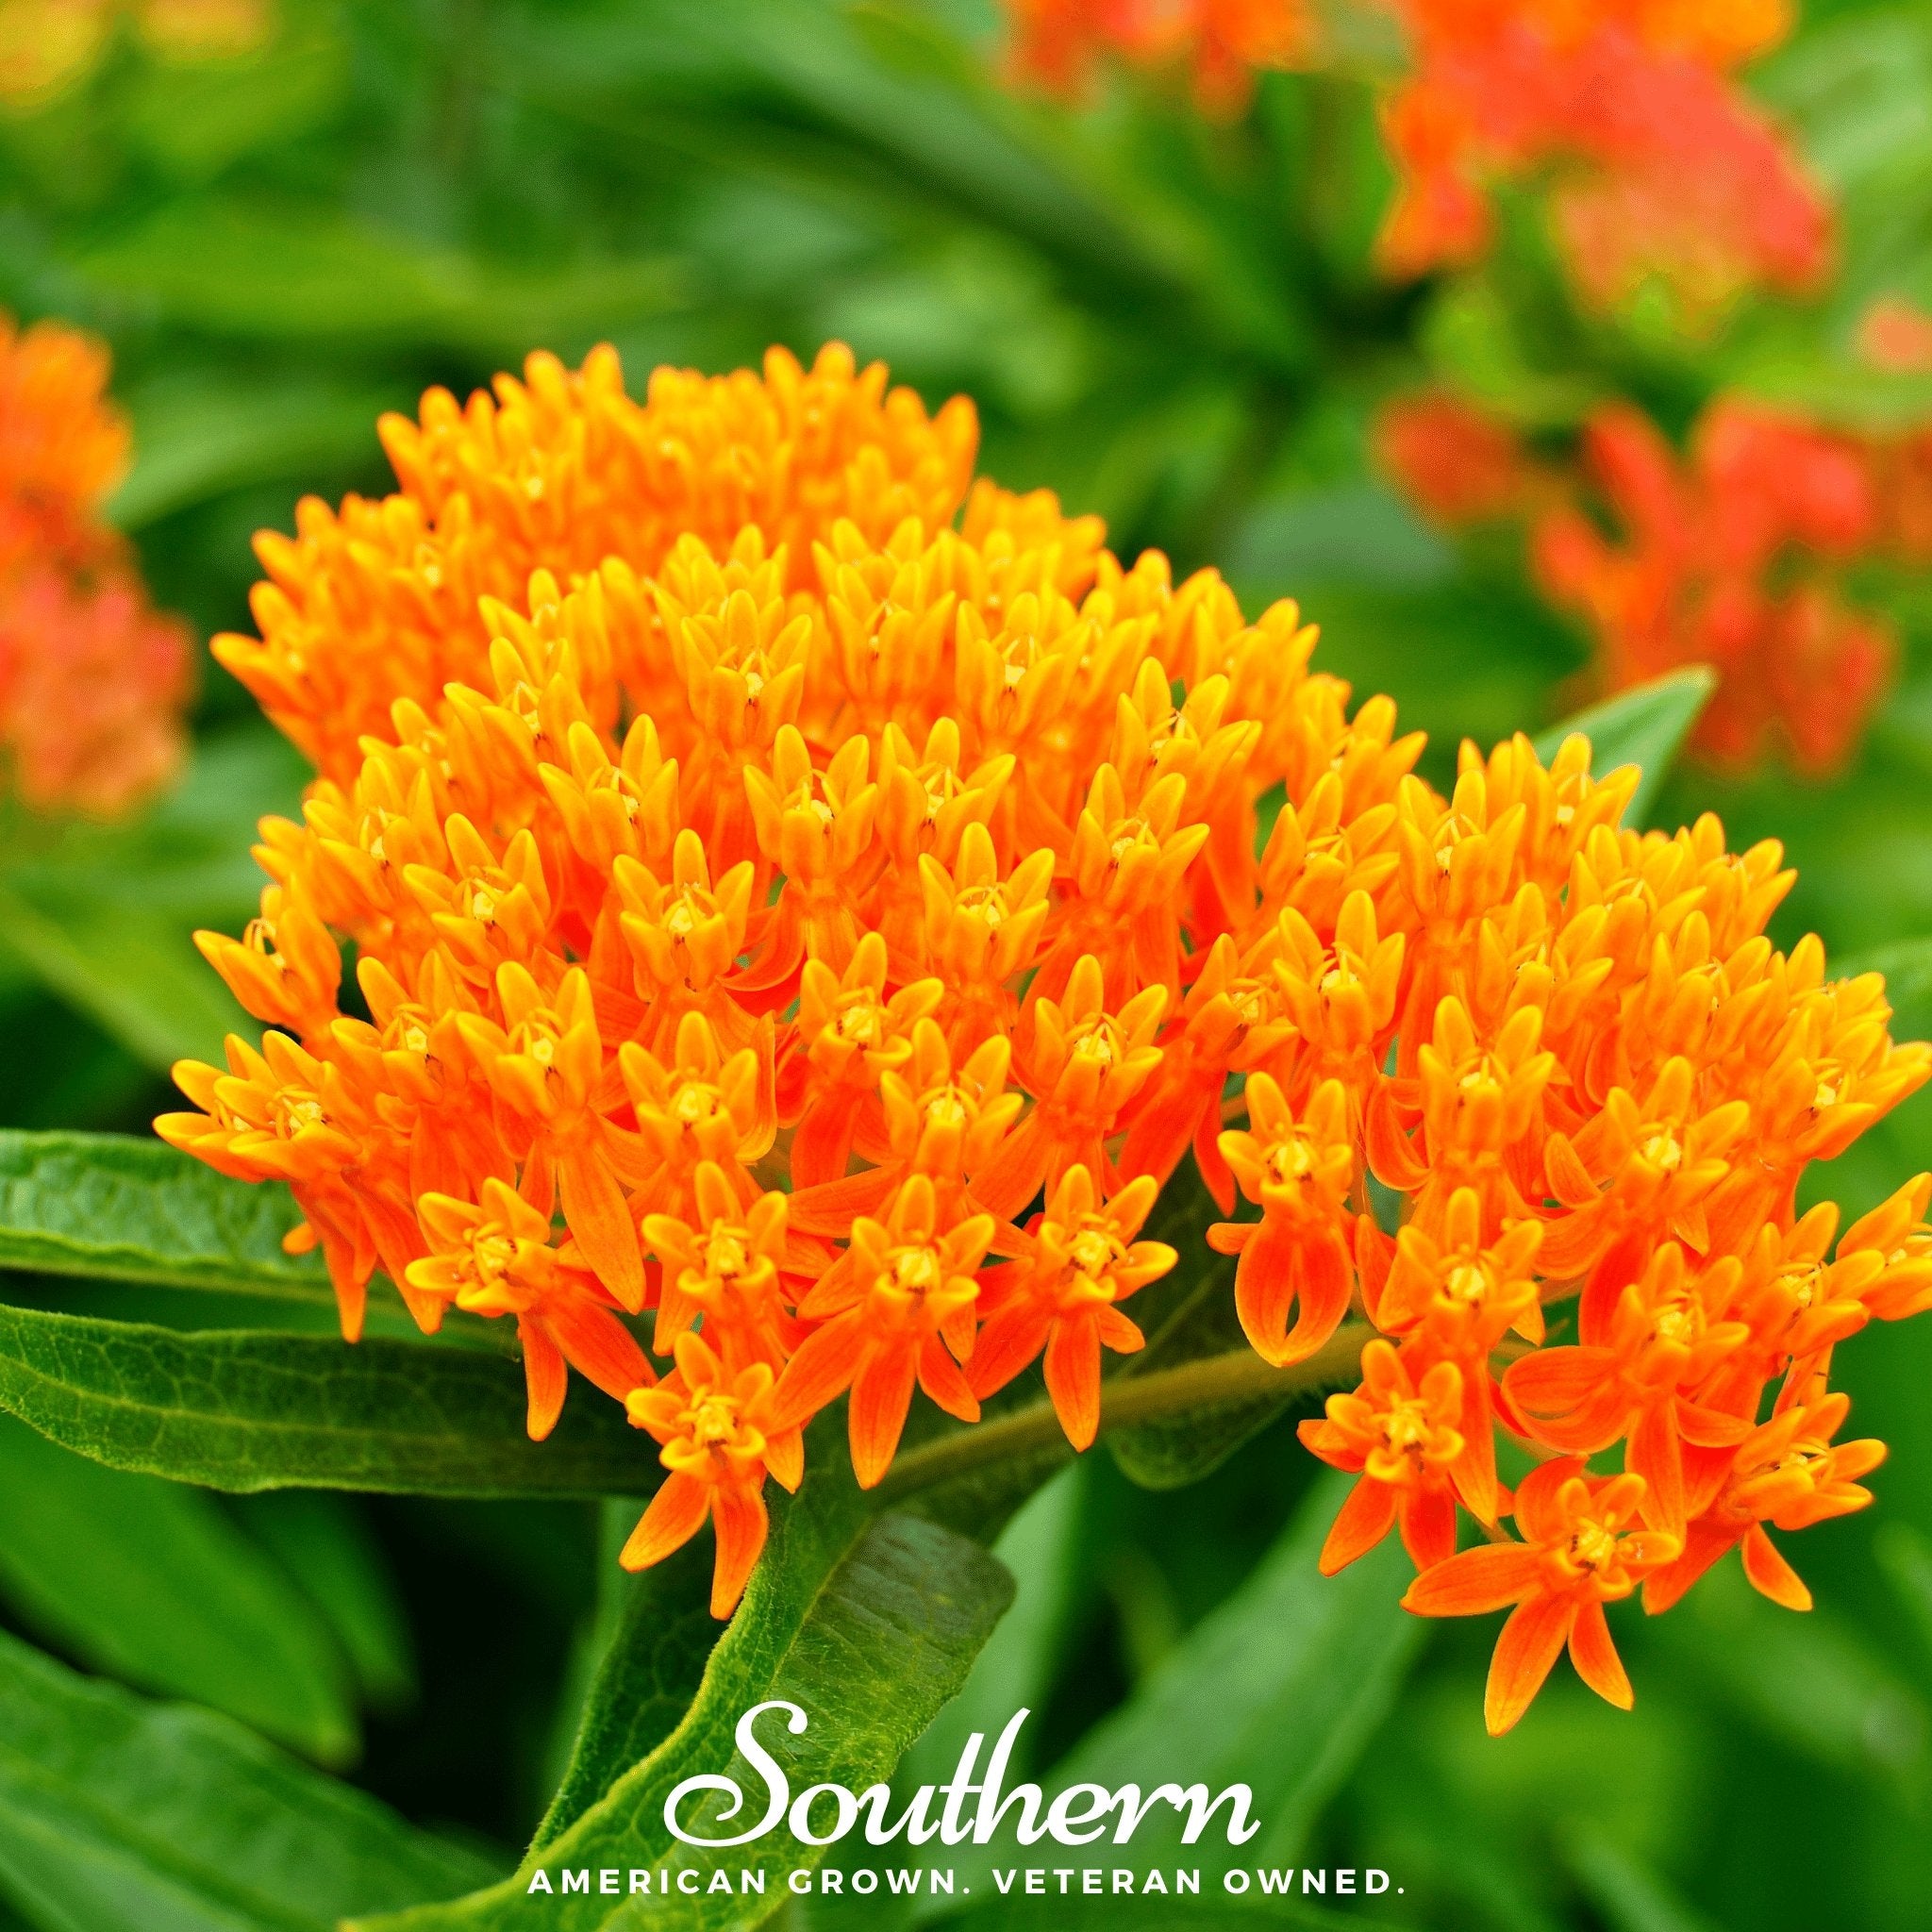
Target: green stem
<point x="1126" y="1400"/>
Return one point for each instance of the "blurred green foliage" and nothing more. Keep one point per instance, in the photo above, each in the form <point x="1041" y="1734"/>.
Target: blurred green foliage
<point x="1170" y="321"/>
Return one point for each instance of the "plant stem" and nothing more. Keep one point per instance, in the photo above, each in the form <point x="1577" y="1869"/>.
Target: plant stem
<point x="1123" y="1400"/>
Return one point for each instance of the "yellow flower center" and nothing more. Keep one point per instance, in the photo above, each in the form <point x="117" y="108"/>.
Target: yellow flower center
<point x="862" y="1024"/>
<point x="493" y="1253"/>
<point x="726" y="1253"/>
<point x="693" y="1101"/>
<point x="712" y="1421"/>
<point x="1592" y="1544"/>
<point x="1291" y="1159"/>
<point x="297" y="1112"/>
<point x="1663" y="1151"/>
<point x="915" y="1271"/>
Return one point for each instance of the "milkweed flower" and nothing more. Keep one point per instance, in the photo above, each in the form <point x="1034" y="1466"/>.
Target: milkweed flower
<point x="1733" y="554"/>
<point x="93" y="680"/>
<point x="1055" y="44"/>
<point x="1657" y="166"/>
<point x="47" y="45"/>
<point x="1665" y="169"/>
<point x="806" y="926"/>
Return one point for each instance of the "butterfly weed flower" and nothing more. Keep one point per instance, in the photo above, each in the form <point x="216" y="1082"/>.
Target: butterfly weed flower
<point x="93" y="680"/>
<point x="1739" y="553"/>
<point x="1659" y="169"/>
<point x="801" y="943"/>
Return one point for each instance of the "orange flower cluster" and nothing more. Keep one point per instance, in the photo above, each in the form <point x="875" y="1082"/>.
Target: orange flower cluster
<point x="1057" y="43"/>
<point x="1658" y="166"/>
<point x="91" y="680"/>
<point x="47" y="45"/>
<point x="1661" y="167"/>
<point x="1732" y="556"/>
<point x="831" y="934"/>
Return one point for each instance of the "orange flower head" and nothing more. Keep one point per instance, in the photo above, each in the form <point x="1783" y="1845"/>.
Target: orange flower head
<point x="93" y="680"/>
<point x="856" y="1004"/>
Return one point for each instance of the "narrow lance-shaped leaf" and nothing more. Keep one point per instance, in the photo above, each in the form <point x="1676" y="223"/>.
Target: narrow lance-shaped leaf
<point x="645" y="1683"/>
<point x="326" y="1546"/>
<point x="867" y="1628"/>
<point x="152" y="1582"/>
<point x="1627" y="1894"/>
<point x="1645" y="727"/>
<point x="248" y="1411"/>
<point x="117" y="1815"/>
<point x="116" y="1207"/>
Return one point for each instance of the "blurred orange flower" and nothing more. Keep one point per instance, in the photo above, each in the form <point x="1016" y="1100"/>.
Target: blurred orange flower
<point x="92" y="681"/>
<point x="47" y="45"/>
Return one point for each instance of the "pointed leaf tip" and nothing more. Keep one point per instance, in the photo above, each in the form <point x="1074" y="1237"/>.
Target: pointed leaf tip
<point x="1644" y="726"/>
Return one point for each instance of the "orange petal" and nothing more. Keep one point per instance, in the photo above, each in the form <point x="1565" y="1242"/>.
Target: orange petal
<point x="1531" y="1641"/>
<point x="1264" y="1288"/>
<point x="1595" y="1657"/>
<point x="1005" y="1345"/>
<point x="601" y="1225"/>
<point x="1324" y="1283"/>
<point x="881" y="1394"/>
<point x="819" y="1372"/>
<point x="785" y="1458"/>
<point x="597" y="1345"/>
<point x="545" y="1373"/>
<point x="1655" y="1452"/>
<point x="1428" y="1527"/>
<point x="1475" y="1582"/>
<point x="1765" y="1565"/>
<point x="738" y="1515"/>
<point x="675" y="1515"/>
<point x="940" y="1376"/>
<point x="1073" y="1379"/>
<point x="1360" y="1524"/>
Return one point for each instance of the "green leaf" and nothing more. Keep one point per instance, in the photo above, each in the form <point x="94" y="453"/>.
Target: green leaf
<point x="132" y="971"/>
<point x="1626" y="1892"/>
<point x="1040" y="1547"/>
<point x="325" y="1544"/>
<point x="306" y="273"/>
<point x="105" y="915"/>
<point x="1906" y="1557"/>
<point x="116" y="1207"/>
<point x="247" y="1410"/>
<point x="1279" y="1689"/>
<point x="868" y="1628"/>
<point x="154" y="1584"/>
<point x="645" y="1685"/>
<point x="1816" y="1684"/>
<point x="195" y="439"/>
<point x="117" y="1815"/>
<point x="1644" y="726"/>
